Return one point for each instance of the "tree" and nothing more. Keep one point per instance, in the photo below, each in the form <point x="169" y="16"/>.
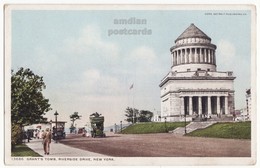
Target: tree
<point x="73" y="117"/>
<point x="28" y="105"/>
<point x="131" y="115"/>
<point x="145" y="116"/>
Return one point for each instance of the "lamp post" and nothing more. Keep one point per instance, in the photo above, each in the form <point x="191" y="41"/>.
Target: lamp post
<point x="133" y="115"/>
<point x="56" y="115"/>
<point x="121" y="125"/>
<point x="75" y="128"/>
<point x="185" y="131"/>
<point x="50" y="124"/>
<point x="165" y="124"/>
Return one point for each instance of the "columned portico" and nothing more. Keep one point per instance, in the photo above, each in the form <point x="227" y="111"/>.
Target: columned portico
<point x="202" y="105"/>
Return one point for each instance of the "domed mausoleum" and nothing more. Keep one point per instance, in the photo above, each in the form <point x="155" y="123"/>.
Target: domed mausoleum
<point x="194" y="87"/>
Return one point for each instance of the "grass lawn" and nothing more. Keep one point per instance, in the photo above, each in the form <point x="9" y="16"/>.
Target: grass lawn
<point x="152" y="127"/>
<point x="23" y="150"/>
<point x="232" y="130"/>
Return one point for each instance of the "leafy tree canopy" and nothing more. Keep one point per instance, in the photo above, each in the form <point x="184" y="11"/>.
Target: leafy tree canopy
<point x="28" y="105"/>
<point x="134" y="115"/>
<point x="75" y="116"/>
<point x="131" y="114"/>
<point x="145" y="116"/>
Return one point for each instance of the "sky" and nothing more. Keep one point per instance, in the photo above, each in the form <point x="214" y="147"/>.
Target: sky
<point x="88" y="69"/>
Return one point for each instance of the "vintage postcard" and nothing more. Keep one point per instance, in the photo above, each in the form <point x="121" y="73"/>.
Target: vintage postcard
<point x="130" y="85"/>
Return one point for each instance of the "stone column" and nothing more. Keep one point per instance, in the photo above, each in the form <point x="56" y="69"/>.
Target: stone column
<point x="206" y="55"/>
<point x="195" y="55"/>
<point x="209" y="106"/>
<point x="172" y="59"/>
<point x="226" y="105"/>
<point x="203" y="59"/>
<point x="182" y="105"/>
<point x="209" y="55"/>
<point x="190" y="56"/>
<point x="214" y="57"/>
<point x="181" y="57"/>
<point x="218" y="105"/>
<point x="200" y="106"/>
<point x="198" y="59"/>
<point x="185" y="55"/>
<point x="201" y="55"/>
<point x="184" y="59"/>
<point x="177" y="58"/>
<point x="190" y="106"/>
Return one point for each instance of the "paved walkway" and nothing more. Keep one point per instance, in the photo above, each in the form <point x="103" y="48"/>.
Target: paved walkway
<point x="60" y="150"/>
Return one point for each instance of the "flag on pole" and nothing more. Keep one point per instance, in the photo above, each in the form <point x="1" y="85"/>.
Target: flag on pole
<point x="131" y="87"/>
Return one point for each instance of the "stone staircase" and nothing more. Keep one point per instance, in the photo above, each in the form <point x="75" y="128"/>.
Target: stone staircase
<point x="193" y="126"/>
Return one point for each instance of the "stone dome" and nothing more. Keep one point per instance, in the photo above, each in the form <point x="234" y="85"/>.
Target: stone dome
<point x="193" y="32"/>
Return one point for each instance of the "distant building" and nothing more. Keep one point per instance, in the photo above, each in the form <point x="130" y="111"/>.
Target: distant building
<point x="156" y="118"/>
<point x="42" y="126"/>
<point x="194" y="87"/>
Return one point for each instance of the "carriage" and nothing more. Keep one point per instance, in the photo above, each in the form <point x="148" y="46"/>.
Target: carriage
<point x="59" y="132"/>
<point x="97" y="125"/>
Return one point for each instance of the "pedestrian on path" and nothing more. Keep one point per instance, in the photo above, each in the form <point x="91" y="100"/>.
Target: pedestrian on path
<point x="46" y="136"/>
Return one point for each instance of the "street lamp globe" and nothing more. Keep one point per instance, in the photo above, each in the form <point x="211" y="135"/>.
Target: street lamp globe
<point x="56" y="113"/>
<point x="56" y="128"/>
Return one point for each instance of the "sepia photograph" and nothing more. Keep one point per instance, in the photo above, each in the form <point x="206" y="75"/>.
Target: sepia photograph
<point x="130" y="85"/>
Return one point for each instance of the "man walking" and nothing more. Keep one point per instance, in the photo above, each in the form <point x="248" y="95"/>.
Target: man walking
<point x="46" y="136"/>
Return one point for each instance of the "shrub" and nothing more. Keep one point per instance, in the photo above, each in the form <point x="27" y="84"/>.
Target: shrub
<point x="16" y="135"/>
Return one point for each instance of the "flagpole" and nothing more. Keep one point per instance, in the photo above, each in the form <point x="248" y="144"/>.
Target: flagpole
<point x="134" y="114"/>
<point x="132" y="87"/>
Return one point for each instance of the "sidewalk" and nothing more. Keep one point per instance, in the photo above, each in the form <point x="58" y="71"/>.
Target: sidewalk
<point x="60" y="150"/>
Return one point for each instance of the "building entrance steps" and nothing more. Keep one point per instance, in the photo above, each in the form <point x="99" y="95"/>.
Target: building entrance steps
<point x="193" y="126"/>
